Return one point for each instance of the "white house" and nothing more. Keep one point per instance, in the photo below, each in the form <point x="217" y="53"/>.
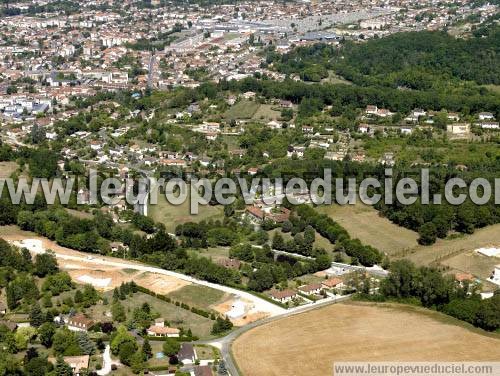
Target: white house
<point x="486" y="116"/>
<point x="495" y="275"/>
<point x="160" y="330"/>
<point x="311" y="289"/>
<point x="283" y="296"/>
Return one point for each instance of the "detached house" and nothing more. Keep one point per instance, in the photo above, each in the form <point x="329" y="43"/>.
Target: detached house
<point x="311" y="289"/>
<point x="332" y="283"/>
<point x="283" y="296"/>
<point x="486" y="116"/>
<point x="79" y="323"/>
<point x="160" y="330"/>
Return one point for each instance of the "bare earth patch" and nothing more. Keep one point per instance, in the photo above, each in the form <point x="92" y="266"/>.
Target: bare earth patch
<point x="92" y="271"/>
<point x="308" y="344"/>
<point x="161" y="284"/>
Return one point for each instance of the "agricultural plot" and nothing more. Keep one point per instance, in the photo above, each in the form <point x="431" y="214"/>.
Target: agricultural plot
<point x="364" y="223"/>
<point x="359" y="332"/>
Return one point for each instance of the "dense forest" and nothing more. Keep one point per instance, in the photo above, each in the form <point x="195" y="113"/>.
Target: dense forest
<point x="412" y="60"/>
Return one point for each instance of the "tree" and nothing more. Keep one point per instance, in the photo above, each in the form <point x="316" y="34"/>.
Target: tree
<point x="221" y="325"/>
<point x="121" y="337"/>
<point x="146" y="350"/>
<point x="171" y="347"/>
<point x="62" y="368"/>
<point x="278" y="242"/>
<point x="118" y="312"/>
<point x="37" y="366"/>
<point x="78" y="297"/>
<point x="126" y="352"/>
<point x="488" y="316"/>
<point x="36" y="315"/>
<point x="137" y="362"/>
<point x="45" y="264"/>
<point x="10" y="343"/>
<point x="261" y="280"/>
<point x="64" y="343"/>
<point x="428" y="233"/>
<point x="87" y="346"/>
<point x="45" y="333"/>
<point x="23" y="336"/>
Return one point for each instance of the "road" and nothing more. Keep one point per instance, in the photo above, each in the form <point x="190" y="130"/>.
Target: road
<point x="258" y="304"/>
<point x="151" y="68"/>
<point x="106" y="360"/>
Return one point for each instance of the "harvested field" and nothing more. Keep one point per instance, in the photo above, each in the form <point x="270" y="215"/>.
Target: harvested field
<point x="359" y="332"/>
<point x="364" y="223"/>
<point x="7" y="168"/>
<point x="443" y="249"/>
<point x="479" y="265"/>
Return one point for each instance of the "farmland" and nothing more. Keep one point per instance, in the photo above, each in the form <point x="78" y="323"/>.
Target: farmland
<point x="448" y="248"/>
<point x="364" y="223"/>
<point x="367" y="332"/>
<point x="454" y="253"/>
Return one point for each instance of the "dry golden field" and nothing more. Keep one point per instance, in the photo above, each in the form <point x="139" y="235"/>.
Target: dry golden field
<point x="308" y="344"/>
<point x="364" y="223"/>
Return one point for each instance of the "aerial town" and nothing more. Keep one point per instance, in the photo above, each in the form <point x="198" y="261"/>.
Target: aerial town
<point x="247" y="91"/>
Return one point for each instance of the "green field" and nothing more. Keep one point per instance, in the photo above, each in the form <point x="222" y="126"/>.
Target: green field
<point x="266" y="113"/>
<point x="211" y="253"/>
<point x="244" y="109"/>
<point x="198" y="296"/>
<point x="173" y="215"/>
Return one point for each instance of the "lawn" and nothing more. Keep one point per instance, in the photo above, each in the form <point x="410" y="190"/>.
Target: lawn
<point x="206" y="352"/>
<point x="357" y="331"/>
<point x="335" y="79"/>
<point x="212" y="253"/>
<point x="243" y="109"/>
<point x="176" y="316"/>
<point x="198" y="296"/>
<point x="364" y="223"/>
<point x="172" y="215"/>
<point x="266" y="113"/>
